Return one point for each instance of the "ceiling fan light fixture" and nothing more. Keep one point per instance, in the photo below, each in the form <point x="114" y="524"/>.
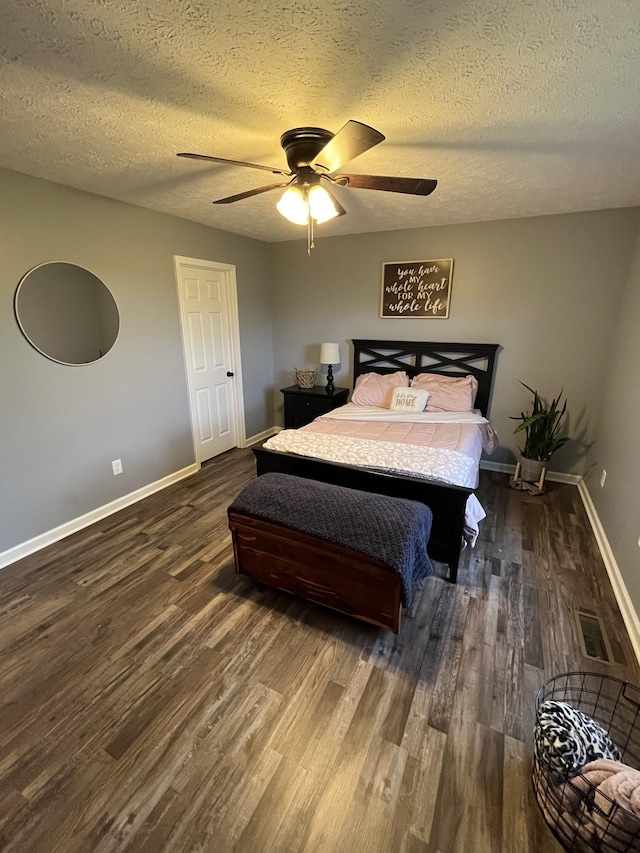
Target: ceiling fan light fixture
<point x="300" y="202"/>
<point x="321" y="204"/>
<point x="293" y="206"/>
<point x="313" y="155"/>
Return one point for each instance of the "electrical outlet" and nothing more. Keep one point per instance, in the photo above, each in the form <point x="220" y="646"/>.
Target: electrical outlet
<point x="603" y="477"/>
<point x="117" y="466"/>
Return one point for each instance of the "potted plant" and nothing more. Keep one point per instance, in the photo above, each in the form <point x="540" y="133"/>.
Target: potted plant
<point x="541" y="428"/>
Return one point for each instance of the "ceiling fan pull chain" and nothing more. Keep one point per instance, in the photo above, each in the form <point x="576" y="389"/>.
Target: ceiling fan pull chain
<point x="310" y="243"/>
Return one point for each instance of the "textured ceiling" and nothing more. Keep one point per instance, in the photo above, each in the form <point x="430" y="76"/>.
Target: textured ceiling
<point x="517" y="107"/>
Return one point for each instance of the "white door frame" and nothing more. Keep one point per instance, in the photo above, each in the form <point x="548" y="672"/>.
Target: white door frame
<point x="234" y="331"/>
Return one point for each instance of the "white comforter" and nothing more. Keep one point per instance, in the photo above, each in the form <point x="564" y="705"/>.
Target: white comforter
<point x="448" y="466"/>
<point x="406" y="456"/>
<point x="351" y="412"/>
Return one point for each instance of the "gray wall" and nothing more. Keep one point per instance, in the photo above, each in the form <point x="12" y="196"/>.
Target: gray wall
<point x="62" y="426"/>
<point x="547" y="289"/>
<point x="616" y="447"/>
<point x="561" y="294"/>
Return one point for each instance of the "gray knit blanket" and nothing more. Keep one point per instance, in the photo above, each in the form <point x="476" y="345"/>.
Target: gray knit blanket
<point x="392" y="530"/>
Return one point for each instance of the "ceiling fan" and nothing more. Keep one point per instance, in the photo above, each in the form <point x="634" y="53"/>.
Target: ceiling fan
<point x="314" y="155"/>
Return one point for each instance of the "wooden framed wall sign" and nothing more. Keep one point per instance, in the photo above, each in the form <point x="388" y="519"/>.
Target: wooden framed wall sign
<point x="417" y="289"/>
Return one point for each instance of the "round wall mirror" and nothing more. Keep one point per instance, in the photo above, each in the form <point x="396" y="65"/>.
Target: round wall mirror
<point x="66" y="313"/>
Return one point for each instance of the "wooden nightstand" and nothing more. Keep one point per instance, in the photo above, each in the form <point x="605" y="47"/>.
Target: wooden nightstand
<point x="302" y="405"/>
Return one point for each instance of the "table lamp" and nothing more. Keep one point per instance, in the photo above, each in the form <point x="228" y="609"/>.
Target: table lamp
<point x="330" y="355"/>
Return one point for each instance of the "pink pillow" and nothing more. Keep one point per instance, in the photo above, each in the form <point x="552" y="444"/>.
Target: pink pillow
<point x="448" y="393"/>
<point x="375" y="389"/>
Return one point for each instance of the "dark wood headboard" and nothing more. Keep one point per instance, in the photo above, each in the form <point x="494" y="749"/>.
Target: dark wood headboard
<point x="429" y="357"/>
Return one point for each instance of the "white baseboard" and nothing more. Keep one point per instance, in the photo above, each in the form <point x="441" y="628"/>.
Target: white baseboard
<point x="554" y="476"/>
<point x="262" y="436"/>
<point x="500" y="467"/>
<point x="16" y="553"/>
<point x="51" y="536"/>
<point x="629" y="615"/>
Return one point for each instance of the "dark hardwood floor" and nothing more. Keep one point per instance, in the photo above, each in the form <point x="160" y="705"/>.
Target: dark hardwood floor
<point x="151" y="700"/>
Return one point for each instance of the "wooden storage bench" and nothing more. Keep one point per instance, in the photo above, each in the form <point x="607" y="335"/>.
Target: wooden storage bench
<point x="353" y="551"/>
<point x="316" y="570"/>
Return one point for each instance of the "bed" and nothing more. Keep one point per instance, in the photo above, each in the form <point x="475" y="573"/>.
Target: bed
<point x="448" y="501"/>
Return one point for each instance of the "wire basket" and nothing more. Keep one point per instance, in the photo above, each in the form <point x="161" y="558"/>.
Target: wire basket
<point x="580" y="816"/>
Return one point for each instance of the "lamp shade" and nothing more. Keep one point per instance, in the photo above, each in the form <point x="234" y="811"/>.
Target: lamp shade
<point x="294" y="206"/>
<point x="321" y="204"/>
<point x="329" y="353"/>
<point x="301" y="200"/>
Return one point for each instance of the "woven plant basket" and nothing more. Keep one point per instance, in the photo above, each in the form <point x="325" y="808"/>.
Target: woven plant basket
<point x="531" y="469"/>
<point x="306" y="378"/>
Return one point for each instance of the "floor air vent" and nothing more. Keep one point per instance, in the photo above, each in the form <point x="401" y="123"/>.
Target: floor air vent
<point x="593" y="637"/>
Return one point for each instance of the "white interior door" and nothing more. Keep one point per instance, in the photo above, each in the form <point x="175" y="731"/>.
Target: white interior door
<point x="208" y="309"/>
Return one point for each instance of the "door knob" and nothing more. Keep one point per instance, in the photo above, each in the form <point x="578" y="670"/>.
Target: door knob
<point x="230" y="373"/>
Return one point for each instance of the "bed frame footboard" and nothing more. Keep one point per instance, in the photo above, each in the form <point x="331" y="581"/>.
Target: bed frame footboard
<point x="447" y="503"/>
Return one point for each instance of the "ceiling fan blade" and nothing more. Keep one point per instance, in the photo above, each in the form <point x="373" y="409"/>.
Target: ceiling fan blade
<point x="411" y="186"/>
<point x="349" y="142"/>
<point x="231" y="198"/>
<point x="233" y="163"/>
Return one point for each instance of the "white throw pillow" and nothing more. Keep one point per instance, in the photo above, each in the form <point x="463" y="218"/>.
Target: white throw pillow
<point x="409" y="399"/>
